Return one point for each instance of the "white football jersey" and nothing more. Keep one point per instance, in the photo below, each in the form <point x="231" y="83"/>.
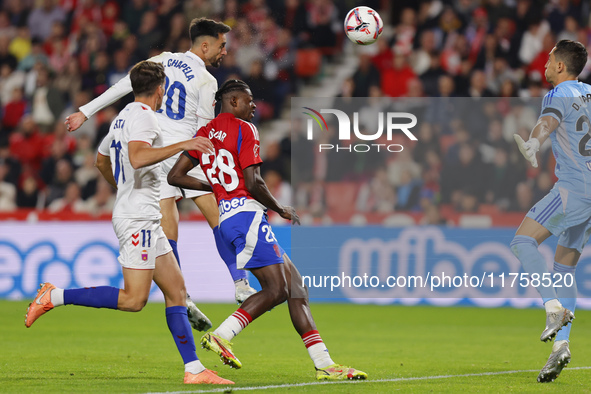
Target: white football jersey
<point x="189" y="98"/>
<point x="138" y="191"/>
<point x="189" y="101"/>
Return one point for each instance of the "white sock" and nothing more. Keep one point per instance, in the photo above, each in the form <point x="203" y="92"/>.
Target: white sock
<point x="194" y="367"/>
<point x="553" y="306"/>
<point x="557" y="344"/>
<point x="319" y="354"/>
<point x="57" y="297"/>
<point x="229" y="328"/>
<point x="241" y="283"/>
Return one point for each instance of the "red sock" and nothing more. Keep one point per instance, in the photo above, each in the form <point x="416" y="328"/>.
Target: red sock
<point x="316" y="349"/>
<point x="243" y="317"/>
<point x="311" y="338"/>
<point x="233" y="324"/>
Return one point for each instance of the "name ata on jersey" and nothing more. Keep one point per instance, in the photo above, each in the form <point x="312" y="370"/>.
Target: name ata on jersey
<point x="118" y="123"/>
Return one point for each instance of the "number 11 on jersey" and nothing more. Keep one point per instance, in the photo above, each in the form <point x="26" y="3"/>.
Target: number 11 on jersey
<point x="118" y="161"/>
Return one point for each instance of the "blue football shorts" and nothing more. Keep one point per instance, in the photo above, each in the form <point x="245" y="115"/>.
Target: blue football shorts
<point x="566" y="215"/>
<point x="248" y="236"/>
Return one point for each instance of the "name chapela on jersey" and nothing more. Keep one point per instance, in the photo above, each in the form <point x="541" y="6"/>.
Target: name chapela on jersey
<point x="182" y="66"/>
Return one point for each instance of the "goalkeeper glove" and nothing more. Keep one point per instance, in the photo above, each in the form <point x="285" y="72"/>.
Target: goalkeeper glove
<point x="528" y="149"/>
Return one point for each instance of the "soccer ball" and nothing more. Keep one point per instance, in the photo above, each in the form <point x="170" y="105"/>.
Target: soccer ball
<point x="363" y="25"/>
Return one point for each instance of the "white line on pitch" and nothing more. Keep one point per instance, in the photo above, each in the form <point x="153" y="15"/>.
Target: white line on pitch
<point x="281" y="386"/>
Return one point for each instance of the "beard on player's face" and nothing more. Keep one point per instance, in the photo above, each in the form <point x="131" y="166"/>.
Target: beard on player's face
<point x="215" y="61"/>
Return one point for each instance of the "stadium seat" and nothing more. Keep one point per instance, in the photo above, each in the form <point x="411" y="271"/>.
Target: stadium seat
<point x="475" y="221"/>
<point x="358" y="220"/>
<point x="399" y="220"/>
<point x="488" y="209"/>
<point x="308" y="62"/>
<point x="340" y="197"/>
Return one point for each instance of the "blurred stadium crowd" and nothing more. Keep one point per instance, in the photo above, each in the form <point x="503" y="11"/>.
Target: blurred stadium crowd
<point x="484" y="62"/>
<point x="56" y="55"/>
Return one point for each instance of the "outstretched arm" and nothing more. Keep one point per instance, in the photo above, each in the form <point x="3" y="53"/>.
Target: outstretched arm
<point x="141" y="154"/>
<point x="114" y="93"/>
<point x="258" y="189"/>
<point x="178" y="174"/>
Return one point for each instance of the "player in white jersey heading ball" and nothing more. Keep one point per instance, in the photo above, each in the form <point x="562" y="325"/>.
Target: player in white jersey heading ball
<point x="188" y="105"/>
<point x="566" y="210"/>
<point x="129" y="158"/>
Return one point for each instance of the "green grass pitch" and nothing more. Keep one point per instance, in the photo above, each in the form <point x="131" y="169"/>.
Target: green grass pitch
<point x="74" y="349"/>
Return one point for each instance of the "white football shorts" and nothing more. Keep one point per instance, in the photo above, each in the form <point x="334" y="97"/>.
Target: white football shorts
<point x="167" y="190"/>
<point x="140" y="242"/>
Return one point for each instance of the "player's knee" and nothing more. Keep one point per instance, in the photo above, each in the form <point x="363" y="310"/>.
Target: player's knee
<point x="135" y="304"/>
<point x="280" y="294"/>
<point x="522" y="243"/>
<point x="299" y="291"/>
<point x="182" y="295"/>
<point x="177" y="296"/>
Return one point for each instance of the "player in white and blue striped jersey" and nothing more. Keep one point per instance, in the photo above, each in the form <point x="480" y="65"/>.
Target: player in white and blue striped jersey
<point x="566" y="211"/>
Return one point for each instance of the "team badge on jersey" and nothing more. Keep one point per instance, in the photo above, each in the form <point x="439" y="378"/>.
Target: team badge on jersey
<point x="144" y="255"/>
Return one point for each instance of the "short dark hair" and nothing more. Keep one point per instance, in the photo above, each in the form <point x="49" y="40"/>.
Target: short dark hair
<point x="230" y="85"/>
<point x="145" y="77"/>
<point x="573" y="54"/>
<point x="206" y="27"/>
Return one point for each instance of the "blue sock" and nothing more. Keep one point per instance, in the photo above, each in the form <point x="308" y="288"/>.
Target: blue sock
<point x="227" y="255"/>
<point x="178" y="324"/>
<point x="566" y="295"/>
<point x="96" y="297"/>
<point x="526" y="250"/>
<point x="175" y="251"/>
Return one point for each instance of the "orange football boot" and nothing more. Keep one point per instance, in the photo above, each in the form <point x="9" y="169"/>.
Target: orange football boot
<point x="40" y="305"/>
<point x="205" y="377"/>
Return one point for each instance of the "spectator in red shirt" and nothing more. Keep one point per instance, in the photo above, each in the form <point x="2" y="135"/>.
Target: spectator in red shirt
<point x="395" y="80"/>
<point x="27" y="145"/>
<point x="110" y="15"/>
<point x="14" y="110"/>
<point x="255" y="11"/>
<point x="383" y="59"/>
<point x="60" y="133"/>
<point x="58" y="34"/>
<point x="537" y="67"/>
